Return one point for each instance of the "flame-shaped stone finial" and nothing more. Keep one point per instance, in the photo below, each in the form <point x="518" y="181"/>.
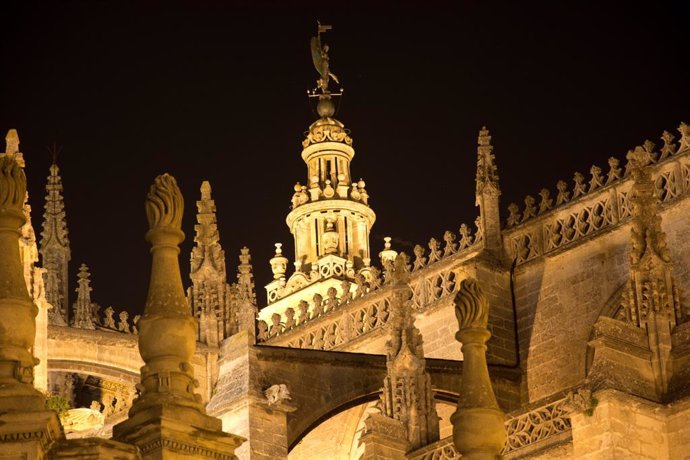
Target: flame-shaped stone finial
<point x="12" y="184"/>
<point x="17" y="311"/>
<point x="477" y="406"/>
<point x="164" y="203"/>
<point x="471" y="305"/>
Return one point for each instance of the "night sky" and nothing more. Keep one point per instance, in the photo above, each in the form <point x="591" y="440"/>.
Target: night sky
<point x="213" y="90"/>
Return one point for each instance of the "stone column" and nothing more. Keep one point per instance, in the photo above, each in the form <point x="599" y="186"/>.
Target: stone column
<point x="26" y="428"/>
<point x="478" y="423"/>
<point x="168" y="420"/>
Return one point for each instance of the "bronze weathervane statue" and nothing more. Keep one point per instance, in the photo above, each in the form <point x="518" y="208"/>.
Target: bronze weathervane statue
<point x="319" y="54"/>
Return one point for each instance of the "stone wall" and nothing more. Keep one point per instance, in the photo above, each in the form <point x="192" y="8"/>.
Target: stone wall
<point x="560" y="296"/>
<point x="678" y="429"/>
<point x="622" y="426"/>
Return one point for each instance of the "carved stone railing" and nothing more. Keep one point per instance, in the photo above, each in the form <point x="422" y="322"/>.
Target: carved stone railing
<point x="603" y="206"/>
<point x="345" y="322"/>
<point x="439" y="252"/>
<point x="530" y="429"/>
<point x="108" y="322"/>
<point x="122" y="325"/>
<point x="440" y="450"/>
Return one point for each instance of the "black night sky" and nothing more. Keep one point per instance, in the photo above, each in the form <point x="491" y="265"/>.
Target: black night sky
<point x="213" y="90"/>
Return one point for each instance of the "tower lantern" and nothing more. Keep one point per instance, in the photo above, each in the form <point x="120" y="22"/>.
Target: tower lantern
<point x="330" y="218"/>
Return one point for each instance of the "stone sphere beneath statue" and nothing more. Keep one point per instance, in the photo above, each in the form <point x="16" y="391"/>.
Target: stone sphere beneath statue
<point x="325" y="108"/>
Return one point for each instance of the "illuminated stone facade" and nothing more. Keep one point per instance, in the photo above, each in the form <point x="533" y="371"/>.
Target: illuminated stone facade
<point x="572" y="311"/>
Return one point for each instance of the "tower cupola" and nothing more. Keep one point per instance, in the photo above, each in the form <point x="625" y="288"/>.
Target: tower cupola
<point x="330" y="218"/>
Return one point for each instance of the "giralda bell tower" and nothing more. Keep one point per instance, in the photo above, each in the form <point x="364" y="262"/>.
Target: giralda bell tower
<point x="330" y="217"/>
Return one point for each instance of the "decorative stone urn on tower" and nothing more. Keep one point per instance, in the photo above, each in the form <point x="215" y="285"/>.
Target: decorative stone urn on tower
<point x="168" y="420"/>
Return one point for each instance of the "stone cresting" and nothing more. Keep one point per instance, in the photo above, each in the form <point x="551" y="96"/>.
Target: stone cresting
<point x="478" y="430"/>
<point x="603" y="204"/>
<point x="167" y="418"/>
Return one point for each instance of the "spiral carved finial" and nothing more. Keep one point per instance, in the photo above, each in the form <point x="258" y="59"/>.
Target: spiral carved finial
<point x="471" y="305"/>
<point x="164" y="204"/>
<point x="12" y="184"/>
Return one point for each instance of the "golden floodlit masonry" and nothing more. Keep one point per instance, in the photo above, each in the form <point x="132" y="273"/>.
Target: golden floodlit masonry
<point x="556" y="330"/>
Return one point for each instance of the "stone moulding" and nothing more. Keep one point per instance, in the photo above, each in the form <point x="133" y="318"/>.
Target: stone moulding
<point x="23" y="436"/>
<point x="185" y="448"/>
<point x="592" y="214"/>
<point x="530" y="429"/>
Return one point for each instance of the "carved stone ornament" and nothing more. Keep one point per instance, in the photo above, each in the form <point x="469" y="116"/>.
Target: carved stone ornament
<point x="276" y="394"/>
<point x="471" y="305"/>
<point x="325" y="130"/>
<point x="580" y="401"/>
<point x="164" y="204"/>
<point x="13" y="183"/>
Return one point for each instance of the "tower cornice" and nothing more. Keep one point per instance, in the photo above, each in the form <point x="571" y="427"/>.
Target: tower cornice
<point x="333" y="205"/>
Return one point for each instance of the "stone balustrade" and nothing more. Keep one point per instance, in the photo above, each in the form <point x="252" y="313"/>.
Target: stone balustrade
<point x="123" y="325"/>
<point x="597" y="181"/>
<point x="531" y="428"/>
<point x="603" y="205"/>
<point x="340" y="190"/>
<point x="344" y="316"/>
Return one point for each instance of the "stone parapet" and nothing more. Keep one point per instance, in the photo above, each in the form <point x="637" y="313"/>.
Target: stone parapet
<point x="601" y="208"/>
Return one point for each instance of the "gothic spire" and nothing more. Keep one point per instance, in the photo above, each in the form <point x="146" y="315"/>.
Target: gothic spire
<point x="647" y="236"/>
<point x="245" y="278"/>
<point x="209" y="293"/>
<point x="487" y="173"/>
<point x="487" y="193"/>
<point x="246" y="295"/>
<point x="407" y="397"/>
<point x="82" y="309"/>
<point x="55" y="248"/>
<point x="207" y="255"/>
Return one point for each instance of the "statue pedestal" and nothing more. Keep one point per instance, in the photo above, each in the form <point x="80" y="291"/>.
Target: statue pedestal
<point x="28" y="435"/>
<point x="168" y="432"/>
